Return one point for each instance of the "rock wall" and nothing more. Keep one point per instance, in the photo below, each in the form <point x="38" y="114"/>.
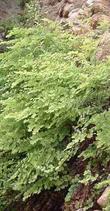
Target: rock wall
<point x="9" y="8"/>
<point x="77" y="13"/>
<point x="82" y="15"/>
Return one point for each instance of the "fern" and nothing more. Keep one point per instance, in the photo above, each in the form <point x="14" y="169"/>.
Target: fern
<point x="47" y="104"/>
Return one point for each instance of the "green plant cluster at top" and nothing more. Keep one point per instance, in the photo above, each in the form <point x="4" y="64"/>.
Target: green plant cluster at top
<point x="51" y="91"/>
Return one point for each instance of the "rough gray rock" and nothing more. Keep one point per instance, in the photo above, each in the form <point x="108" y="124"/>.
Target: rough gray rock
<point x="9" y="8"/>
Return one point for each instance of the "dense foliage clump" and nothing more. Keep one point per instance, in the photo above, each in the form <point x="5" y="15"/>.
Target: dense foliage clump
<point x="54" y="98"/>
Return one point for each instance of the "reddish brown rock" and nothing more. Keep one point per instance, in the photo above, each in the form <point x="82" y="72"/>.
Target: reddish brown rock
<point x="65" y="10"/>
<point x="67" y="6"/>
